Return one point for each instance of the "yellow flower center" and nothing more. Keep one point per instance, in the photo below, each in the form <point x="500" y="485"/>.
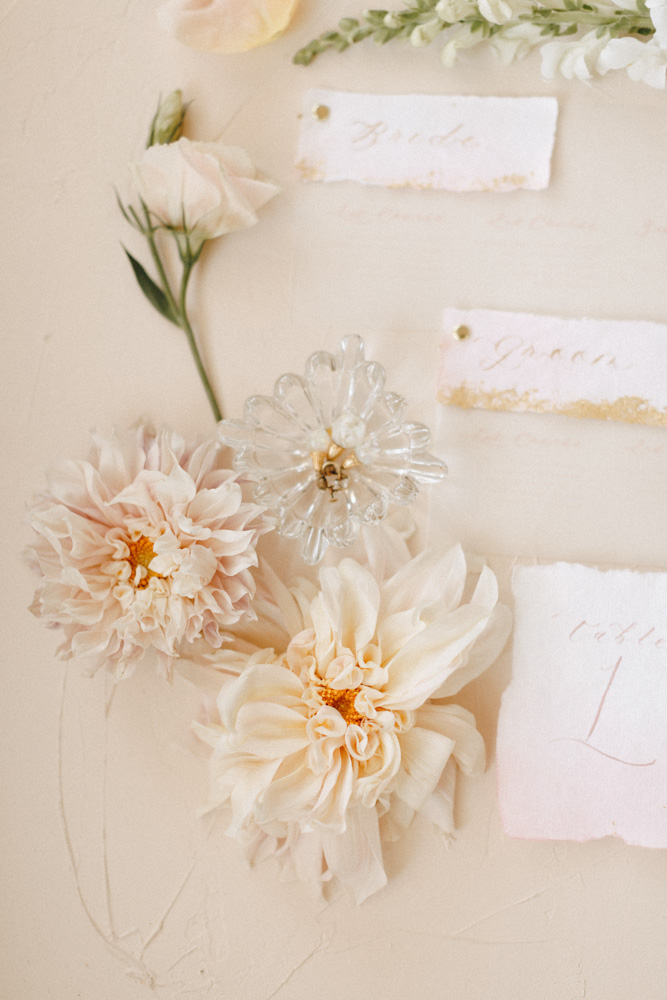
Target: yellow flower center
<point x="141" y="554"/>
<point x="343" y="702"/>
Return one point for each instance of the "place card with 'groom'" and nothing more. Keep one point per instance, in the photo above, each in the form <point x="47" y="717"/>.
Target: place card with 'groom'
<point x="604" y="369"/>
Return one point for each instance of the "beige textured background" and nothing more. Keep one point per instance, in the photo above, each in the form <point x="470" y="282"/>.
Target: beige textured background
<point x="113" y="889"/>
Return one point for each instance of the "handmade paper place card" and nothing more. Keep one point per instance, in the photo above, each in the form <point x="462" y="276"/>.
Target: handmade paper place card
<point x="606" y="369"/>
<point x="426" y="141"/>
<point x="582" y="736"/>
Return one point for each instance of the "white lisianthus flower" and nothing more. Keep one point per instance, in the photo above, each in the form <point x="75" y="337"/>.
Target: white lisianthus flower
<point x="149" y="543"/>
<point x="501" y="11"/>
<point x="202" y="189"/>
<point x="226" y="26"/>
<point x="516" y="41"/>
<point x="331" y="737"/>
<point x="462" y="38"/>
<point x="452" y="11"/>
<point x="574" y="60"/>
<point x="646" y="62"/>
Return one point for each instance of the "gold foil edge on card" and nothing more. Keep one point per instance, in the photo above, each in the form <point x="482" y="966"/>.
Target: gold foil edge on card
<point x="627" y="409"/>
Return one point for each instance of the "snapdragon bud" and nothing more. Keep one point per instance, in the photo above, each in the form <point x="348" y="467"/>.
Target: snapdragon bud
<point x="168" y="121"/>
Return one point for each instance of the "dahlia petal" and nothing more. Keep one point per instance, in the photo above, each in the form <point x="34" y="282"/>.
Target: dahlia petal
<point x="428" y="578"/>
<point x="269" y="730"/>
<point x="329" y="812"/>
<point x="268" y="682"/>
<point x="215" y="504"/>
<point x="250" y="782"/>
<point x="355" y="856"/>
<point x="285" y="600"/>
<point x="458" y="725"/>
<point x="288" y="795"/>
<point x="424" y="754"/>
<point x="396" y="630"/>
<point x="351" y="600"/>
<point x="439" y="806"/>
<point x="423" y="665"/>
<point x="487" y="648"/>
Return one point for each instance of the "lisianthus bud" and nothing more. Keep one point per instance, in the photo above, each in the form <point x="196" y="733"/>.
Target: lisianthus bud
<point x="168" y="121"/>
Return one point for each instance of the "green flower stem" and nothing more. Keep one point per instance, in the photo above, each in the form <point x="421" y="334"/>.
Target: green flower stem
<point x="177" y="309"/>
<point x="184" y="323"/>
<point x="157" y="260"/>
<point x="591" y="18"/>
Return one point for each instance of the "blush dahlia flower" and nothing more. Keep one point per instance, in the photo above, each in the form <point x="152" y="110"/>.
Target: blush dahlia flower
<point x="333" y="737"/>
<point x="149" y="543"/>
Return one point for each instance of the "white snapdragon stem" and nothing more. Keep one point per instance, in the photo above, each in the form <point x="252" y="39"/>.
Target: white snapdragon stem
<point x="513" y="27"/>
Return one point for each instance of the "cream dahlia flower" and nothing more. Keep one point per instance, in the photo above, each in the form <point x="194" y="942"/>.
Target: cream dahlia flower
<point x="332" y="736"/>
<point x="147" y="544"/>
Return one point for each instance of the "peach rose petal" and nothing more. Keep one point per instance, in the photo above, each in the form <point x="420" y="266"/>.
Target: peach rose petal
<point x="226" y="26"/>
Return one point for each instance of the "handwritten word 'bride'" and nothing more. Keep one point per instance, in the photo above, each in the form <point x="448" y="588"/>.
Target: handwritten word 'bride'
<point x="370" y="134"/>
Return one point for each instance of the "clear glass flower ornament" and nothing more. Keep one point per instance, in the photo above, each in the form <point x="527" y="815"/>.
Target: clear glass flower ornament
<point x="331" y="450"/>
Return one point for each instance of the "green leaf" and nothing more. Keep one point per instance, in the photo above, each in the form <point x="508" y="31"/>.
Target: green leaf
<point x="153" y="292"/>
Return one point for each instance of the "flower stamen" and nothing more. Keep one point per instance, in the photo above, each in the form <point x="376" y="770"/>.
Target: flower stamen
<point x="343" y="702"/>
<point x="142" y="554"/>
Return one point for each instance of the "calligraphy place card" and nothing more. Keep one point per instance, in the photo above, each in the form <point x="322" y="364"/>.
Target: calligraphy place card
<point x="606" y="369"/>
<point x="582" y="737"/>
<point x="426" y="141"/>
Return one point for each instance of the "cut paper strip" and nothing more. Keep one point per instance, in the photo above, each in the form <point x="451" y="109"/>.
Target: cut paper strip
<point x="424" y="141"/>
<point x="604" y="369"/>
<point x="582" y="736"/>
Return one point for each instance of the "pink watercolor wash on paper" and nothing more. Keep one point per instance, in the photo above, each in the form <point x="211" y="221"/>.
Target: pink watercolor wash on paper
<point x="582" y="737"/>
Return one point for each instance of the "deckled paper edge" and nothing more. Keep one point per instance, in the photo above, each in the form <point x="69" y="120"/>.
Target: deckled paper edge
<point x="624" y="409"/>
<point x="310" y="171"/>
<point x="502" y="712"/>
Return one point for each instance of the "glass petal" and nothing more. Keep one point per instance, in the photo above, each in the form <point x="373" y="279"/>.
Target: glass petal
<point x="272" y="417"/>
<point x="322" y="385"/>
<point x="292" y="394"/>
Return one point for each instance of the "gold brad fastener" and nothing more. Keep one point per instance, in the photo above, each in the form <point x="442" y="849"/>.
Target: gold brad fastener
<point x="321" y="112"/>
<point x="331" y="467"/>
<point x="461" y="333"/>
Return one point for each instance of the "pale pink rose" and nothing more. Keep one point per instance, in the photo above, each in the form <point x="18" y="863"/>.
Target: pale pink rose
<point x="226" y="26"/>
<point x="149" y="543"/>
<point x="330" y="738"/>
<point x="202" y="188"/>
